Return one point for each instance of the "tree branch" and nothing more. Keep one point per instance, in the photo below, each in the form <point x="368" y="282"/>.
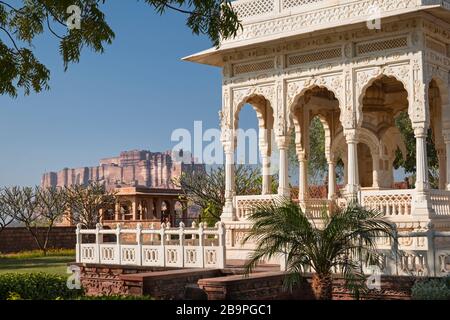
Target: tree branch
<point x="11" y="7"/>
<point x="51" y="30"/>
<point x="11" y="38"/>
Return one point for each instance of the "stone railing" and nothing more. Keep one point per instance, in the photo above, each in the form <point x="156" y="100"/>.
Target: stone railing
<point x="392" y="203"/>
<point x="418" y="254"/>
<point x="246" y="205"/>
<point x="440" y="202"/>
<point x="315" y="208"/>
<point x="195" y="247"/>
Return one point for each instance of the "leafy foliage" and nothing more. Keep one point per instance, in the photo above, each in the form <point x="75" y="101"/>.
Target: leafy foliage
<point x="5" y="217"/>
<point x="317" y="162"/>
<point x="403" y="123"/>
<point x="433" y="289"/>
<point x="347" y="238"/>
<point x="206" y="189"/>
<point x="215" y="18"/>
<point x="85" y="203"/>
<point x="35" y="286"/>
<point x="40" y="208"/>
<point x="22" y="21"/>
<point x="115" y="298"/>
<point x="35" y="208"/>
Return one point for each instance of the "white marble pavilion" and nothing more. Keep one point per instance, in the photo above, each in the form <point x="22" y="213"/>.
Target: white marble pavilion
<point x="298" y="59"/>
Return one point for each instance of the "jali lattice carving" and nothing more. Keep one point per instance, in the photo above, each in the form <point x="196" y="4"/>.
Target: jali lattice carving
<point x="253" y="67"/>
<point x="376" y="46"/>
<point x="246" y="9"/>
<point x="288" y="4"/>
<point x="314" y="56"/>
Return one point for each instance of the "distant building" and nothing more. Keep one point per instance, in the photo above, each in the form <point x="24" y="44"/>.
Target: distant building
<point x="129" y="169"/>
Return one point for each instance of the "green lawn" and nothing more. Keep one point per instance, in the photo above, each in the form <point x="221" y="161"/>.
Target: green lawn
<point x="49" y="264"/>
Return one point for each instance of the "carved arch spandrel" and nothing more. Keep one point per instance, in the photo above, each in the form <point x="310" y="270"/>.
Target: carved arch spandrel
<point x="442" y="79"/>
<point x="367" y="77"/>
<point x="262" y="100"/>
<point x="297" y="88"/>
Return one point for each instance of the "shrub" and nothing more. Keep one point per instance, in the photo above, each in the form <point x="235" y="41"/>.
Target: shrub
<point x="117" y="297"/>
<point x="35" y="286"/>
<point x="434" y="289"/>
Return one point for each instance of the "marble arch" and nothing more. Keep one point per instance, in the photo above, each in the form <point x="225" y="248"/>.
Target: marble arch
<point x="261" y="105"/>
<point x="382" y="73"/>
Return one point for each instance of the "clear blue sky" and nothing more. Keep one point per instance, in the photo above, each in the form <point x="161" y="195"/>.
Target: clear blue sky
<point x="131" y="97"/>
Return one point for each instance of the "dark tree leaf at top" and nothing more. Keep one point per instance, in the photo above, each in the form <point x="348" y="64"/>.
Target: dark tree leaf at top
<point x="22" y="21"/>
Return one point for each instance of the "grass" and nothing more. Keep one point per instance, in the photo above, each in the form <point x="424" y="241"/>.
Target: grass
<point x="54" y="262"/>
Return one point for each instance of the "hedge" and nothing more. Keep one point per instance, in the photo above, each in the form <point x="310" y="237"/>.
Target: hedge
<point x="35" y="286"/>
<point x="434" y="289"/>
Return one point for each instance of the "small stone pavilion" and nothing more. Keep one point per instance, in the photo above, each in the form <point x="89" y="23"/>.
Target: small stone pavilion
<point x="357" y="65"/>
<point x="146" y="206"/>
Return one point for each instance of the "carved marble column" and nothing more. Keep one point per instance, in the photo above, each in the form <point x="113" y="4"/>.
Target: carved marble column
<point x="421" y="205"/>
<point x="265" y="148"/>
<point x="228" y="210"/>
<point x="447" y="160"/>
<point x="331" y="179"/>
<point x="283" y="146"/>
<point x="422" y="183"/>
<point x="375" y="171"/>
<point x="352" y="160"/>
<point x="303" y="176"/>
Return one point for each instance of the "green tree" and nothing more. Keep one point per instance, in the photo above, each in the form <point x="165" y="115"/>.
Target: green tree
<point x="5" y="218"/>
<point x="37" y="209"/>
<point x="22" y="21"/>
<point x="206" y="189"/>
<point x="86" y="202"/>
<point x="317" y="161"/>
<point x="51" y="206"/>
<point x="403" y="123"/>
<point x="346" y="240"/>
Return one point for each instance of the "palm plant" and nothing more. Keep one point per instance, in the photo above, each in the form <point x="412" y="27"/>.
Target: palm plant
<point x="345" y="240"/>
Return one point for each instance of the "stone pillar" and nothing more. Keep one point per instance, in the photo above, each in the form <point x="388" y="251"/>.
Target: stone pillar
<point x="117" y="211"/>
<point x="303" y="176"/>
<point x="331" y="180"/>
<point x="421" y="203"/>
<point x="228" y="213"/>
<point x="447" y="161"/>
<point x="265" y="148"/>
<point x="283" y="146"/>
<point x="422" y="183"/>
<point x="352" y="160"/>
<point x="134" y="209"/>
<point x="375" y="171"/>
